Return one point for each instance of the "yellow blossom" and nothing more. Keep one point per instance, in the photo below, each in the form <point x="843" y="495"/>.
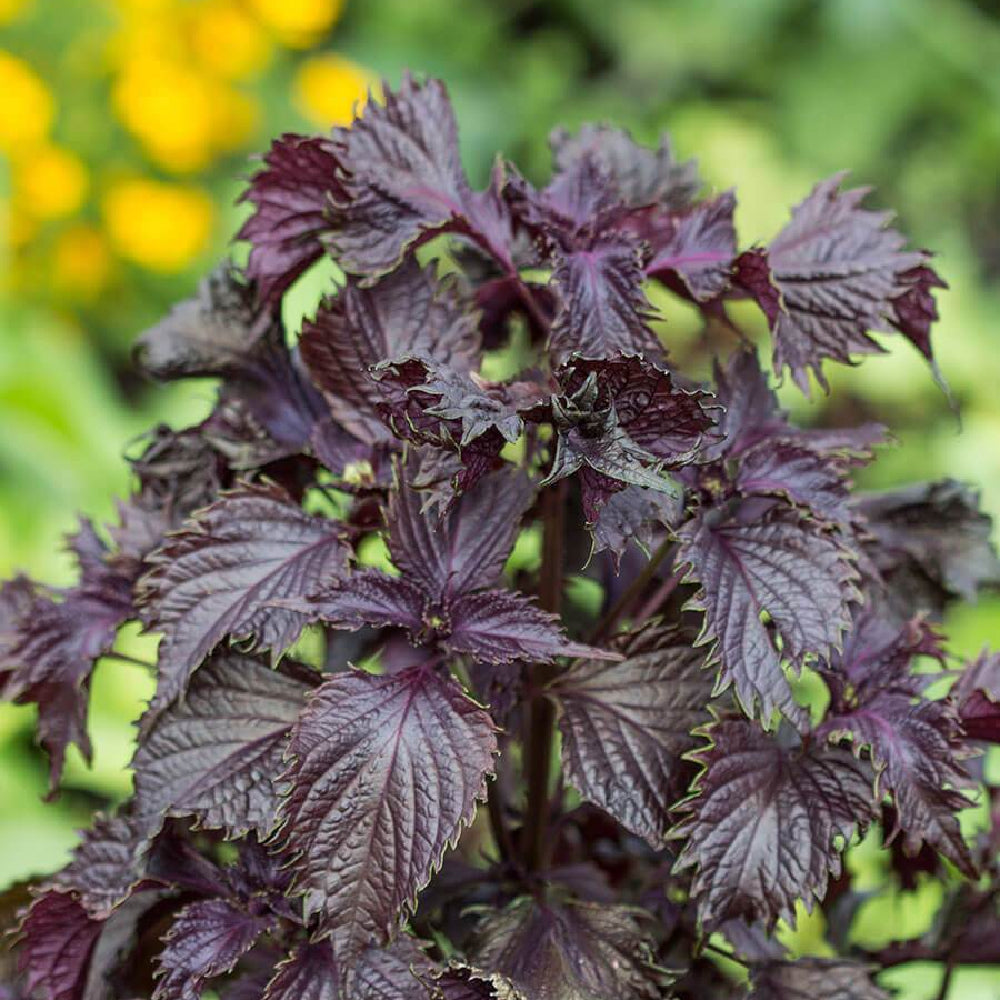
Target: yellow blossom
<point x="297" y="23"/>
<point x="227" y="41"/>
<point x="49" y="182"/>
<point x="81" y="262"/>
<point x="159" y="225"/>
<point x="169" y="108"/>
<point x="328" y="89"/>
<point x="26" y="106"/>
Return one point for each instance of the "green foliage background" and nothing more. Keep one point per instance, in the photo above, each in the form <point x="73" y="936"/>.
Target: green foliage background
<point x="770" y="95"/>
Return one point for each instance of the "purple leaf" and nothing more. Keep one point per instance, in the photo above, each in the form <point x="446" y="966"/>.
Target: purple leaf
<point x="309" y="973"/>
<point x="915" y="744"/>
<point x="48" y="648"/>
<point x="602" y="311"/>
<point x="931" y="544"/>
<point x="368" y="597"/>
<point x="977" y="695"/>
<point x="633" y="514"/>
<point x="917" y="753"/>
<point x="571" y="952"/>
<point x="696" y="252"/>
<point x="218" y="576"/>
<point x="466" y="548"/>
<point x="107" y="865"/>
<point x="810" y="978"/>
<point x="217" y="755"/>
<point x="640" y="176"/>
<point x="214" y="333"/>
<point x="366" y="847"/>
<point x="312" y="972"/>
<point x="499" y="626"/>
<point x="206" y="940"/>
<point x="777" y="577"/>
<point x="291" y="196"/>
<point x="838" y="267"/>
<point x="915" y="310"/>
<point x="751" y="274"/>
<point x="409" y="312"/>
<point x="762" y="825"/>
<point x="403" y="182"/>
<point x="800" y="475"/>
<point x="626" y="726"/>
<point x="57" y="939"/>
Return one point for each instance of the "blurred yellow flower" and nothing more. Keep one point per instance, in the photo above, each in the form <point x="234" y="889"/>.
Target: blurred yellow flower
<point x="12" y="9"/>
<point x="26" y="105"/>
<point x="169" y="109"/>
<point x="298" y="23"/>
<point x="182" y="117"/>
<point x="81" y="261"/>
<point x="329" y="87"/>
<point x="159" y="225"/>
<point x="49" y="182"/>
<point x="247" y="48"/>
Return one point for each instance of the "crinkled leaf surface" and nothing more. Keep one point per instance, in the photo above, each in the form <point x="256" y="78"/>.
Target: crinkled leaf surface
<point x="838" y="268"/>
<point x="625" y="726"/>
<point x="570" y="952"/>
<point x="385" y="772"/>
<point x="639" y="175"/>
<point x="409" y="312"/>
<point x="812" y="978"/>
<point x="500" y="626"/>
<point x="107" y="865"/>
<point x="206" y="939"/>
<point x="219" y="576"/>
<point x="763" y="825"/>
<point x="916" y="751"/>
<point x="403" y="181"/>
<point x="465" y="548"/>
<point x="699" y="250"/>
<point x="212" y="333"/>
<point x="312" y="972"/>
<point x="602" y="311"/>
<point x="217" y="755"/>
<point x="291" y="197"/>
<point x="763" y="579"/>
<point x="58" y="938"/>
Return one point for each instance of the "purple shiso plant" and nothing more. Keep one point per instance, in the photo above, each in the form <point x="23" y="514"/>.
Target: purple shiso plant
<point x="604" y="769"/>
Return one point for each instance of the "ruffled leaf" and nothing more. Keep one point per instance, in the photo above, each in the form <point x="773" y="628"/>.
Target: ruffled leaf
<point x="813" y="978"/>
<point x="409" y="312"/>
<point x="403" y="181"/>
<point x="220" y="575"/>
<point x="696" y="251"/>
<point x="365" y="848"/>
<point x="754" y="792"/>
<point x="206" y="940"/>
<point x="292" y="204"/>
<point x="217" y="755"/>
<point x="839" y="268"/>
<point x="602" y="309"/>
<point x="640" y="176"/>
<point x="773" y="588"/>
<point x="626" y="726"/>
<point x="570" y="952"/>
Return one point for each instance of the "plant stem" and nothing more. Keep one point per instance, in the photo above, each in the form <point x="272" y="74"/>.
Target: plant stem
<point x="498" y="822"/>
<point x="606" y="625"/>
<point x="949" y="971"/>
<point x="724" y="953"/>
<point x="538" y="739"/>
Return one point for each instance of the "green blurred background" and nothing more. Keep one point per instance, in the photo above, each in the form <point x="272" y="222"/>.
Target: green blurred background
<point x="125" y="129"/>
